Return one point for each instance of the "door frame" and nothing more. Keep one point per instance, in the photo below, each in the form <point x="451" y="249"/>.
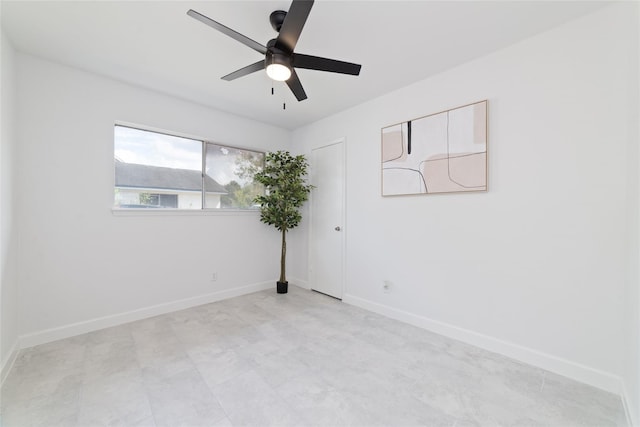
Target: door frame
<point x="343" y="217"/>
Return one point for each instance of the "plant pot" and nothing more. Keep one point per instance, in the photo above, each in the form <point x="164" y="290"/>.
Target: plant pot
<point x="283" y="287"/>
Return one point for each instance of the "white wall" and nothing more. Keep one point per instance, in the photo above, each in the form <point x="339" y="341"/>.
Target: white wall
<point x="537" y="267"/>
<point x="77" y="260"/>
<point x="8" y="246"/>
<point x="632" y="321"/>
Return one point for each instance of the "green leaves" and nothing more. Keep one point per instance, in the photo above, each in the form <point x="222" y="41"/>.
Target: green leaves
<point x="283" y="176"/>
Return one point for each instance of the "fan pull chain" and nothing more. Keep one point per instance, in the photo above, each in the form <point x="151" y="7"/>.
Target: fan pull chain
<point x="284" y="104"/>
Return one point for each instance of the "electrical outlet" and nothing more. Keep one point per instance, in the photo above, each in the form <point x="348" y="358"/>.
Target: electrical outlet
<point x="386" y="286"/>
<point x="214" y="276"/>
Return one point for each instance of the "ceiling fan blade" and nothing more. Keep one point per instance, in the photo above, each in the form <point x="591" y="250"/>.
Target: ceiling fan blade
<point x="228" y="31"/>
<point x="244" y="71"/>
<point x="296" y="87"/>
<point x="324" y="64"/>
<point x="293" y="23"/>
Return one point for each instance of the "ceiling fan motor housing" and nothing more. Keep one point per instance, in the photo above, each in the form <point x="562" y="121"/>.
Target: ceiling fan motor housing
<point x="277" y="55"/>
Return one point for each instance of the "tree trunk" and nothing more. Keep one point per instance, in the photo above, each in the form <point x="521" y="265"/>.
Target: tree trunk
<point x="283" y="257"/>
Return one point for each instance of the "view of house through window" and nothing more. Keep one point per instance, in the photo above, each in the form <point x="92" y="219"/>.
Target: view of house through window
<point x="155" y="170"/>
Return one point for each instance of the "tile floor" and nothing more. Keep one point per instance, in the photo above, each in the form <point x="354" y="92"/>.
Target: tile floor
<point x="300" y="359"/>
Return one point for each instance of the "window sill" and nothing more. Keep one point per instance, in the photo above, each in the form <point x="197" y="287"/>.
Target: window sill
<point x="183" y="212"/>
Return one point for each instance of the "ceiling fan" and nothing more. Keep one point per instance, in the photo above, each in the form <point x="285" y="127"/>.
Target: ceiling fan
<point x="280" y="59"/>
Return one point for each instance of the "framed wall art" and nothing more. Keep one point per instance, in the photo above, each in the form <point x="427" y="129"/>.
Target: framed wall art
<point x="444" y="152"/>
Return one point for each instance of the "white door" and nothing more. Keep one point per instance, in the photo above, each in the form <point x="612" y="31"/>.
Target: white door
<point x="327" y="220"/>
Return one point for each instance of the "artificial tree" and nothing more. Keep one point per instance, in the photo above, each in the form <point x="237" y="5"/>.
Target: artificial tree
<point x="284" y="179"/>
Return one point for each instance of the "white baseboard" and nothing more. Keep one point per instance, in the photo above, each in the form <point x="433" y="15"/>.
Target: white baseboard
<point x="558" y="365"/>
<point x="54" y="334"/>
<point x="8" y="362"/>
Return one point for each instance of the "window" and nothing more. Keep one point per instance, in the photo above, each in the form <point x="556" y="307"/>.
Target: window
<point x="234" y="168"/>
<point x="156" y="170"/>
<point x="158" y="200"/>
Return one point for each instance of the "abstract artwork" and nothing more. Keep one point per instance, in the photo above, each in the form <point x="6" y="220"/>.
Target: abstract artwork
<point x="441" y="153"/>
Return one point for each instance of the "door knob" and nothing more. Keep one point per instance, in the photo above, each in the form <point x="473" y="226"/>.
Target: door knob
<point x="337" y="228"/>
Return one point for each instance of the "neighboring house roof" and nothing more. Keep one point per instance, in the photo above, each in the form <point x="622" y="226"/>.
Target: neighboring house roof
<point x="131" y="175"/>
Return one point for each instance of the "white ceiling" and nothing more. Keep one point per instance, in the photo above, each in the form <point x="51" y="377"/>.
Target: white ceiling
<point x="154" y="44"/>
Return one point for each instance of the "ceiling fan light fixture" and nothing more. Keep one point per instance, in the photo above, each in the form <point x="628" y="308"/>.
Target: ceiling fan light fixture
<point x="278" y="67"/>
<point x="278" y="72"/>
